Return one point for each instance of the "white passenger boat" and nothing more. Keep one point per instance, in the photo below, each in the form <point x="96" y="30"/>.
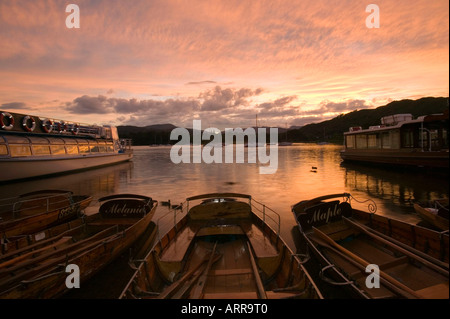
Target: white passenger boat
<point x="31" y="146"/>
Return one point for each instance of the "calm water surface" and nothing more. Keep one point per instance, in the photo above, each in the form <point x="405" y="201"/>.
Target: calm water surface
<point x="152" y="173"/>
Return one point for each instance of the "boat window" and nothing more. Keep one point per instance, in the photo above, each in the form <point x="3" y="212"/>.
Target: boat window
<point x="434" y="137"/>
<point x="424" y="140"/>
<point x="81" y="141"/>
<point x="54" y="140"/>
<point x="58" y="149"/>
<point x="408" y="139"/>
<point x="385" y="140"/>
<point x="102" y="146"/>
<point x="83" y="148"/>
<point x="350" y="141"/>
<point x="72" y="149"/>
<point x="361" y="141"/>
<point x="3" y="149"/>
<point x="105" y="132"/>
<point x="41" y="150"/>
<point x="109" y="147"/>
<point x="94" y="148"/>
<point x="70" y="141"/>
<point x="17" y="139"/>
<point x="38" y="140"/>
<point x="395" y="139"/>
<point x="444" y="138"/>
<point x="373" y="141"/>
<point x="20" y="149"/>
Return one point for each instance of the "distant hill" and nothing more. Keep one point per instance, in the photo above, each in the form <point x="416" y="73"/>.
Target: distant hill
<point x="326" y="131"/>
<point x="156" y="127"/>
<point x="332" y="130"/>
<point x="150" y="134"/>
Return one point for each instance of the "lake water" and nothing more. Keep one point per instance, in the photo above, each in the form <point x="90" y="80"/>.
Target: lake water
<point x="152" y="173"/>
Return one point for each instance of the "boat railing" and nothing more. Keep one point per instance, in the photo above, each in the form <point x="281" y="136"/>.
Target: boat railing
<point x="177" y="212"/>
<point x="267" y="214"/>
<point x="16" y="205"/>
<point x="125" y="145"/>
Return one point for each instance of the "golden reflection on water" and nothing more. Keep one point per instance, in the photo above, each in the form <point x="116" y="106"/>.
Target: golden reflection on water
<point x="304" y="171"/>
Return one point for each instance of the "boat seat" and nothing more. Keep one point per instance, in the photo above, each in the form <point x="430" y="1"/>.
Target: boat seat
<point x="386" y="265"/>
<point x="439" y="291"/>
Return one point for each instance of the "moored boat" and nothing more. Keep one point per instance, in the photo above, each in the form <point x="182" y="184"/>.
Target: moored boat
<point x="32" y="146"/>
<point x="221" y="247"/>
<point x="412" y="261"/>
<point x="35" y="211"/>
<point x="402" y="141"/>
<point x="39" y="270"/>
<point x="436" y="213"/>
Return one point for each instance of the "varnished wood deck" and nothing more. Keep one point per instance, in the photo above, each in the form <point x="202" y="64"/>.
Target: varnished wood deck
<point x="261" y="243"/>
<point x="178" y="246"/>
<point x="420" y="279"/>
<point x="232" y="273"/>
<point x="221" y="250"/>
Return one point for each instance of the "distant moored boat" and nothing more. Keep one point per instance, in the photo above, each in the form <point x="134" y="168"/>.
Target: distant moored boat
<point x="401" y="140"/>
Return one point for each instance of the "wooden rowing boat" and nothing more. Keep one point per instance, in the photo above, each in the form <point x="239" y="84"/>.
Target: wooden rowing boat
<point x="32" y="212"/>
<point x="90" y="243"/>
<point x="412" y="261"/>
<point x="436" y="213"/>
<point x="222" y="247"/>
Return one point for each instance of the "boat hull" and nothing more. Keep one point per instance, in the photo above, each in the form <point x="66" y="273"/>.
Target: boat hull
<point x="48" y="278"/>
<point x="208" y="255"/>
<point x="344" y="241"/>
<point x="42" y="212"/>
<point x="439" y="160"/>
<point x="24" y="168"/>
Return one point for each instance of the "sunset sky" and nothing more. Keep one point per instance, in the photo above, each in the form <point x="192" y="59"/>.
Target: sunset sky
<point x="145" y="62"/>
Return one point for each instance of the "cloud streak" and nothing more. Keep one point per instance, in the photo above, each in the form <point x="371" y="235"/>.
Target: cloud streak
<point x="222" y="107"/>
<point x="13" y="105"/>
<point x="228" y="59"/>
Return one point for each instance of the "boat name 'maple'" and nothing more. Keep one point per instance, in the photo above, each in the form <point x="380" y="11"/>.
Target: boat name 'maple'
<point x="321" y="215"/>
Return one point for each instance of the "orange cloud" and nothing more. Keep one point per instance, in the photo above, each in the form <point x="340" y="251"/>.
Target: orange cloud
<point x="315" y="50"/>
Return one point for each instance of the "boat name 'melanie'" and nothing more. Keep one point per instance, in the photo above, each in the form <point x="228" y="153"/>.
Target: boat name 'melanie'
<point x="124" y="210"/>
<point x="320" y="215"/>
